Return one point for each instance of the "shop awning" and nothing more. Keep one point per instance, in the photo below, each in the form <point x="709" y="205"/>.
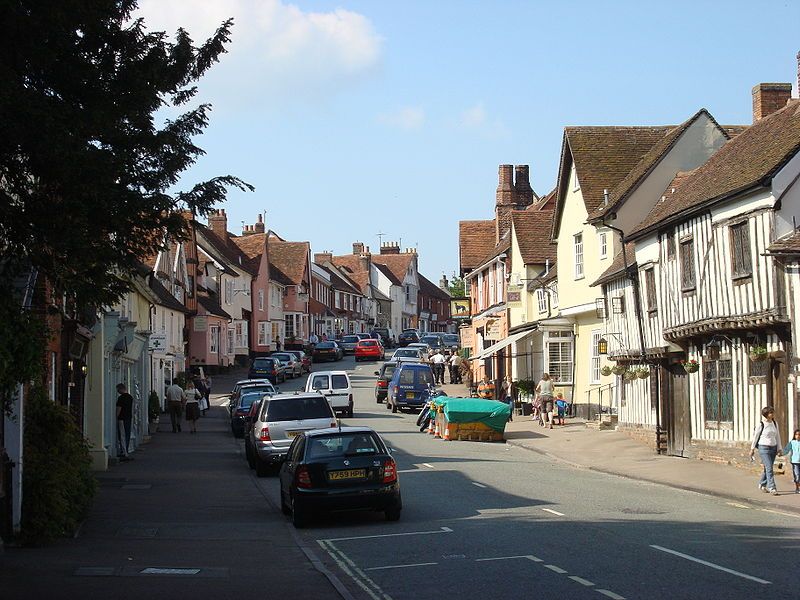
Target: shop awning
<point x="502" y="344"/>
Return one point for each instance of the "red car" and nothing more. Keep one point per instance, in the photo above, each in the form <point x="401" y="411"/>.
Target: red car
<point x="304" y="358"/>
<point x="369" y="350"/>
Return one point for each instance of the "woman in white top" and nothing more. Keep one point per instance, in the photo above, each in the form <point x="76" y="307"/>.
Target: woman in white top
<point x="767" y="440"/>
<point x="545" y="389"/>
<point x="193" y="396"/>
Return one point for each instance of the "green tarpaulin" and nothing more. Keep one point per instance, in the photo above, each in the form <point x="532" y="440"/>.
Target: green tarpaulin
<point x="475" y="410"/>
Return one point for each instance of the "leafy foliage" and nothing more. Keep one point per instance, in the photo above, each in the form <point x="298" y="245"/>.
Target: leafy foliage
<point x="153" y="406"/>
<point x="59" y="486"/>
<point x="87" y="173"/>
<point x="22" y="336"/>
<point x="457" y="289"/>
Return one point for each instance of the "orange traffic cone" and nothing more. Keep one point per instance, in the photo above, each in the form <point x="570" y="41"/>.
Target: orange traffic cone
<point x="446" y="437"/>
<point x="430" y="426"/>
<point x="436" y="433"/>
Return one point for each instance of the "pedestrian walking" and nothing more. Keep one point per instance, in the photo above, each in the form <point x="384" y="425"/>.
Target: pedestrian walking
<point x="536" y="410"/>
<point x="767" y="440"/>
<point x="200" y="386"/>
<point x="438" y="361"/>
<point x="545" y="390"/>
<point x="455" y="368"/>
<point x="792" y="450"/>
<point x="124" y="419"/>
<point x="176" y="398"/>
<point x="486" y="389"/>
<point x="193" y="397"/>
<point x="507" y="392"/>
<point x="561" y="408"/>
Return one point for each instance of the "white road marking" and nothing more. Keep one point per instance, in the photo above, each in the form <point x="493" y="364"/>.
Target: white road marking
<point x="411" y="471"/>
<point x="385" y="535"/>
<point x="361" y="579"/>
<point x="430" y="466"/>
<point x="555" y="512"/>
<point x="581" y="580"/>
<point x="507" y="558"/>
<point x="400" y="566"/>
<point x="611" y="594"/>
<point x="736" y="504"/>
<point x="555" y="568"/>
<point x="480" y="485"/>
<point x="709" y="564"/>
<point x="785" y="514"/>
<point x="534" y="558"/>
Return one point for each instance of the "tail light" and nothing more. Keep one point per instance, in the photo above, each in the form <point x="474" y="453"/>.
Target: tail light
<point x="382" y="383"/>
<point x="302" y="478"/>
<point x="351" y="397"/>
<point x="389" y="471"/>
<point x="333" y="424"/>
<point x="264" y="435"/>
<point x="274" y="372"/>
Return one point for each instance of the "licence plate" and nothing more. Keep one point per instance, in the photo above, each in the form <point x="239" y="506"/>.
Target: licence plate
<point x="409" y="395"/>
<point x="292" y="434"/>
<point x="347" y="474"/>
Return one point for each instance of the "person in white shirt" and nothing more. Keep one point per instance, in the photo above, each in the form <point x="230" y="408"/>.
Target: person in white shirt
<point x="313" y="340"/>
<point x="438" y="361"/>
<point x="767" y="440"/>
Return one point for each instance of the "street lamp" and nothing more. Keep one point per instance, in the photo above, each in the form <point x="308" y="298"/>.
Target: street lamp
<point x="602" y="346"/>
<point x="712" y="349"/>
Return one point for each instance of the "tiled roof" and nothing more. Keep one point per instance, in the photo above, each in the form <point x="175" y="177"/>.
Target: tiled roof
<point x="164" y="297"/>
<point x="649" y="161"/>
<point x="253" y="247"/>
<point x="603" y="157"/>
<point x="475" y="241"/>
<point x="340" y="281"/>
<point x="546" y="202"/>
<point x="427" y="287"/>
<point x="787" y="245"/>
<point x="497" y="250"/>
<point x="290" y="258"/>
<point x="397" y="263"/>
<point x="351" y="263"/>
<point x="532" y="228"/>
<point x="389" y="275"/>
<point x="228" y="250"/>
<point x="212" y="306"/>
<point x="748" y="161"/>
<point x="617" y="267"/>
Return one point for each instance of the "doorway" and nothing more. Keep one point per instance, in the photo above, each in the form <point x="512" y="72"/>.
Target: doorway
<point x="679" y="423"/>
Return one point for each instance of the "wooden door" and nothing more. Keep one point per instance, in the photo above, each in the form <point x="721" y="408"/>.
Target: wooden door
<point x="777" y="393"/>
<point x="679" y="425"/>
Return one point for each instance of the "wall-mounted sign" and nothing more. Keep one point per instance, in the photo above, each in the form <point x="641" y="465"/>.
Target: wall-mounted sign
<point x="492" y="330"/>
<point x="200" y="323"/>
<point x="158" y="342"/>
<point x="460" y="308"/>
<point x="513" y="299"/>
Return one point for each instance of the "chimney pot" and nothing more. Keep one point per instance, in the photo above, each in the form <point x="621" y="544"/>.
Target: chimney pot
<point x="218" y="224"/>
<point x="769" y="97"/>
<point x="358" y="247"/>
<point x="523" y="192"/>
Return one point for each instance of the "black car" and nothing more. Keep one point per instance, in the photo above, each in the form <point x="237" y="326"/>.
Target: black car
<point x="242" y="408"/>
<point x="341" y="468"/>
<point x="409" y="336"/>
<point x="326" y="351"/>
<point x="385" y="336"/>
<point x="384" y="376"/>
<point x="266" y="367"/>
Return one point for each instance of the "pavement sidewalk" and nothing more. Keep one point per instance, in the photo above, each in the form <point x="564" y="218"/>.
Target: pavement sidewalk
<point x="613" y="452"/>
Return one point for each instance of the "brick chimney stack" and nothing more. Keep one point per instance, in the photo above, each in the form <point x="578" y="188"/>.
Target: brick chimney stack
<point x="259" y="226"/>
<point x="358" y="248"/>
<point x="218" y="224"/>
<point x="769" y="97"/>
<point x="443" y="284"/>
<point x="322" y="257"/>
<point x="505" y="185"/>
<point x="390" y="248"/>
<point x="523" y="192"/>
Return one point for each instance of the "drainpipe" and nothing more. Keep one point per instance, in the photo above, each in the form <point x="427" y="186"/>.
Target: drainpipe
<point x="637" y="304"/>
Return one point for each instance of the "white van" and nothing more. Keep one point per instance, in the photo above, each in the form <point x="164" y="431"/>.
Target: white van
<point x="335" y="386"/>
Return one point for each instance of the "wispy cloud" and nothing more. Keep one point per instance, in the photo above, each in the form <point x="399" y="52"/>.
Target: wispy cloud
<point x="474" y="116"/>
<point x="277" y="49"/>
<point x="477" y="120"/>
<point x="408" y="117"/>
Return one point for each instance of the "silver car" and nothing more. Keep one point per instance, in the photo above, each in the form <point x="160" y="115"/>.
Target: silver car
<point x="294" y="368"/>
<point x="407" y="354"/>
<point x="348" y="344"/>
<point x="281" y="418"/>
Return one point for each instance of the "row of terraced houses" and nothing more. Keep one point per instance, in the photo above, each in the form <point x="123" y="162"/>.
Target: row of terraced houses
<point x="658" y="282"/>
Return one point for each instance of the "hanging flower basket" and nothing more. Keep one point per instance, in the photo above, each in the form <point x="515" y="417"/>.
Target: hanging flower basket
<point x="643" y="372"/>
<point x="618" y="369"/>
<point x="606" y="370"/>
<point x="691" y="366"/>
<point x="629" y="375"/>
<point x="758" y="353"/>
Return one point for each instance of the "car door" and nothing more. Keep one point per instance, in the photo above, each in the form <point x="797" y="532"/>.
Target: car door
<point x="288" y="467"/>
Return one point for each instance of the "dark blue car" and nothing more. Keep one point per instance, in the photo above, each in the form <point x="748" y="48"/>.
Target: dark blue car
<point x="410" y="386"/>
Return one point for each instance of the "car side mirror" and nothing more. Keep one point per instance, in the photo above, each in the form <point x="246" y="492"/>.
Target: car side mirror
<point x="378" y="373"/>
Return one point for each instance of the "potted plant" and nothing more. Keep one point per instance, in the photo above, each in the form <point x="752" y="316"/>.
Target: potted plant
<point x="606" y="370"/>
<point x="618" y="369"/>
<point x="153" y="410"/>
<point x="691" y="365"/>
<point x="758" y="353"/>
<point x="629" y="375"/>
<point x="643" y="372"/>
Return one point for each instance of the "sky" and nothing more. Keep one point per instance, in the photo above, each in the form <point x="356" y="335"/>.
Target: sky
<point x="384" y="119"/>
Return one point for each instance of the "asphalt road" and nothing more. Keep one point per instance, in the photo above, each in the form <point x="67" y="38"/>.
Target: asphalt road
<point x="493" y="520"/>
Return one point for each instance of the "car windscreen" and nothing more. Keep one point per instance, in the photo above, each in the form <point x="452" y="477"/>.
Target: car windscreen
<point x="407" y="377"/>
<point x="388" y="371"/>
<point x="343" y="444"/>
<point x="325" y="345"/>
<point x="407" y="353"/>
<point x="431" y="340"/>
<point x="350" y="339"/>
<point x="294" y="409"/>
<point x="262" y="363"/>
<point x="261" y="389"/>
<point x="339" y="382"/>
<point x="247" y="400"/>
<point x="285" y="357"/>
<point x="424" y="376"/>
<point x="319" y="382"/>
<point x="452" y="340"/>
<point x="368" y="343"/>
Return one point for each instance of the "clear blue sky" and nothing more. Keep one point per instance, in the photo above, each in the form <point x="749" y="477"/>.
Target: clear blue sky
<point x="358" y="117"/>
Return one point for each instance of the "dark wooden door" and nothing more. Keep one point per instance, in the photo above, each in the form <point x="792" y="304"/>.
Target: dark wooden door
<point x="777" y="395"/>
<point x="679" y="424"/>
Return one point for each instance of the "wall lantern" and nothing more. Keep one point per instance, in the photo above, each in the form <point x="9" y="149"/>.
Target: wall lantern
<point x="602" y="346"/>
<point x="712" y="350"/>
<point x="70" y="364"/>
<point x="84" y="370"/>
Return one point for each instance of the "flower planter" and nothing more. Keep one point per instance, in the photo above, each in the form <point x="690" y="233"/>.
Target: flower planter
<point x="691" y="367"/>
<point x="643" y="373"/>
<point x="758" y="355"/>
<point x="606" y="371"/>
<point x="618" y="369"/>
<point x="629" y="375"/>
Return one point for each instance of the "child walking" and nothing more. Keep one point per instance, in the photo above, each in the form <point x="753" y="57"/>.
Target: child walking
<point x="561" y="408"/>
<point x="792" y="450"/>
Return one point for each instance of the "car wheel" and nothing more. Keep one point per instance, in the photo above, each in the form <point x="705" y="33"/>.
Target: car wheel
<point x="299" y="517"/>
<point x="392" y="514"/>
<point x="285" y="508"/>
<point x="262" y="468"/>
<point x="350" y="411"/>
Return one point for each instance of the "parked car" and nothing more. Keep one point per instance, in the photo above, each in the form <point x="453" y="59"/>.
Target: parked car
<point x="370" y="350"/>
<point x="382" y="384"/>
<point x="267" y="367"/>
<point x="409" y="336"/>
<point x="423" y="347"/>
<point x="387" y="336"/>
<point x="348" y="344"/>
<point x="245" y="382"/>
<point x="292" y="365"/>
<point x="335" y="386"/>
<point x="239" y="412"/>
<point x="364" y="336"/>
<point x="348" y="468"/>
<point x="305" y="359"/>
<point x="410" y="386"/>
<point x="408" y="355"/>
<point x="435" y="342"/>
<point x="326" y="351"/>
<point x="452" y="340"/>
